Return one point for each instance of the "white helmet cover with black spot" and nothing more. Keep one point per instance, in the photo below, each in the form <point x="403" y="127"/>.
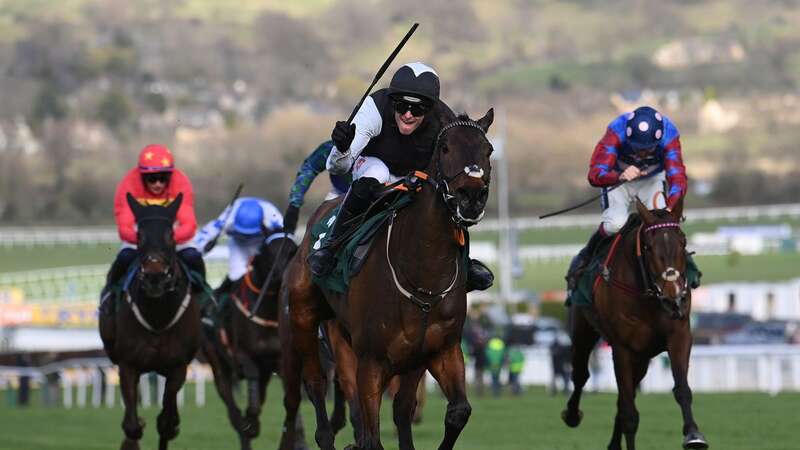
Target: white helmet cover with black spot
<point x="415" y="82"/>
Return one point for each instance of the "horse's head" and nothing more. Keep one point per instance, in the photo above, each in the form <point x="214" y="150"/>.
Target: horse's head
<point x="274" y="255"/>
<point x="662" y="246"/>
<point x="463" y="169"/>
<point x="156" y="245"/>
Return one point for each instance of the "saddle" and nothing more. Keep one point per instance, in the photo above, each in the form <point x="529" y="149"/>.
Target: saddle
<point x="583" y="295"/>
<point x="353" y="250"/>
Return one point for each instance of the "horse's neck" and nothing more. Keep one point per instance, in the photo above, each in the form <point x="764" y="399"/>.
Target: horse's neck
<point x="627" y="256"/>
<point x="425" y="239"/>
<point x="160" y="308"/>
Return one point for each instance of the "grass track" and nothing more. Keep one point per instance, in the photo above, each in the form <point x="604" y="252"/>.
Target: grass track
<point x="743" y="421"/>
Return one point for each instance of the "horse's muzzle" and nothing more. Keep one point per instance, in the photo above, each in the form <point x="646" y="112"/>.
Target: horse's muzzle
<point x="471" y="202"/>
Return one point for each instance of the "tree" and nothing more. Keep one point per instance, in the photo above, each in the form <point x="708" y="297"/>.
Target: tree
<point x="114" y="110"/>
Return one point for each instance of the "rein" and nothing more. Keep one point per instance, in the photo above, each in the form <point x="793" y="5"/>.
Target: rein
<point x="175" y="318"/>
<point x="651" y="288"/>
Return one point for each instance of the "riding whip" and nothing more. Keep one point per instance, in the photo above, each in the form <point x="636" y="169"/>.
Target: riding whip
<point x="382" y="70"/>
<point x="213" y="242"/>
<point x="268" y="279"/>
<point x="586" y="202"/>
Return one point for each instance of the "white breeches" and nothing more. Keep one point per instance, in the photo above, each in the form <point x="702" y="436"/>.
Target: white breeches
<point x="239" y="254"/>
<point x="372" y="167"/>
<point x="650" y="191"/>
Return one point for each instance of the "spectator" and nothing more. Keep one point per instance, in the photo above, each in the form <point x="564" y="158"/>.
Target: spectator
<point x="496" y="357"/>
<point x="560" y="354"/>
<point x="516" y="362"/>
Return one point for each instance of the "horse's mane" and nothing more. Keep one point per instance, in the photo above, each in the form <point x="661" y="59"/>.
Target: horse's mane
<point x="463" y="116"/>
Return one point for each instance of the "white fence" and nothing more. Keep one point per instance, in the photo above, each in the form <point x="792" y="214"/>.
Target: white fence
<point x="30" y="236"/>
<point x="772" y="369"/>
<point x="93" y="382"/>
<point x="692" y="215"/>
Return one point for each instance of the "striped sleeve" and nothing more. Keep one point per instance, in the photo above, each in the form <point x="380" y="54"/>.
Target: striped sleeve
<point x="604" y="158"/>
<point x="673" y="164"/>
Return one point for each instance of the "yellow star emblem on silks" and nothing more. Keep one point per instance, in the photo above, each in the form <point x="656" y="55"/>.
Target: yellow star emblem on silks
<point x="148" y="156"/>
<point x="165" y="162"/>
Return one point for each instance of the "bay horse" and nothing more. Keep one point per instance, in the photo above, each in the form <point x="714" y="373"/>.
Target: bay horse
<point x="250" y="349"/>
<point x="157" y="327"/>
<point x="641" y="307"/>
<point x="404" y="311"/>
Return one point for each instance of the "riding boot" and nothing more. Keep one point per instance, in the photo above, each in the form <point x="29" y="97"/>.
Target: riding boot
<point x="479" y="277"/>
<point x="118" y="269"/>
<point x="194" y="261"/>
<point x="582" y="259"/>
<point x="322" y="261"/>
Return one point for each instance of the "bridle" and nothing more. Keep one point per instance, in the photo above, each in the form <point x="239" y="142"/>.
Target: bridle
<point x="670" y="275"/>
<point x="442" y="181"/>
<point x="169" y="271"/>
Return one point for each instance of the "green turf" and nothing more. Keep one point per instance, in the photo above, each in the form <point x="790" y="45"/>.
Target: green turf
<point x="743" y="421"/>
<point x="716" y="269"/>
<point x="19" y="258"/>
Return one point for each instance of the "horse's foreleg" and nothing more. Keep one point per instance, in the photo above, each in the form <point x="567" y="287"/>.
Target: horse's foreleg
<point x="132" y="424"/>
<point x="253" y="375"/>
<point x="371" y="380"/>
<point x="345" y="387"/>
<point x="627" y="420"/>
<point x="290" y="376"/>
<point x="448" y="369"/>
<point x="223" y="381"/>
<point x="584" y="338"/>
<point x="168" y="420"/>
<point x="307" y="345"/>
<point x="679" y="347"/>
<point x="404" y="407"/>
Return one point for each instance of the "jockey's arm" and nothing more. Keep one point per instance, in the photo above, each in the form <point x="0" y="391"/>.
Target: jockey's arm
<point x="368" y="123"/>
<point x="126" y="222"/>
<point x="311" y="167"/>
<point x="187" y="222"/>
<point x="602" y="171"/>
<point x="214" y="228"/>
<point x="675" y="170"/>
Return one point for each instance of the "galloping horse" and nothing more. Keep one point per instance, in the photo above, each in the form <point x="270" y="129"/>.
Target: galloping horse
<point x="641" y="307"/>
<point x="252" y="350"/>
<point x="157" y="328"/>
<point x="404" y="311"/>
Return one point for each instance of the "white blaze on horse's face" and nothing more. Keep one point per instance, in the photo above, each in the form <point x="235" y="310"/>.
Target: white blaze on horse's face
<point x="473" y="171"/>
<point x="671" y="274"/>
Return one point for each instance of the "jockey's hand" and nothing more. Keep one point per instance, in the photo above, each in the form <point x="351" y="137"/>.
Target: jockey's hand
<point x="290" y="219"/>
<point x="342" y="135"/>
<point x="630" y="174"/>
<point x="209" y="245"/>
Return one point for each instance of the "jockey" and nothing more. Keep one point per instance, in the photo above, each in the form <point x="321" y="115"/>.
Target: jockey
<point x="391" y="136"/>
<point x="311" y="167"/>
<point x="642" y="149"/>
<point x="154" y="181"/>
<point x="247" y="223"/>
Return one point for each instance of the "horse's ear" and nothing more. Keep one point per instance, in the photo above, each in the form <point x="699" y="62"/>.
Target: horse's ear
<point x="644" y="213"/>
<point x="486" y="121"/>
<point x="135" y="206"/>
<point x="677" y="211"/>
<point x="173" y="207"/>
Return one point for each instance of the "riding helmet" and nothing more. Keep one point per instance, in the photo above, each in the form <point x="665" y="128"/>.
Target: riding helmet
<point x="155" y="158"/>
<point x="415" y="82"/>
<point x="645" y="128"/>
<point x="248" y="218"/>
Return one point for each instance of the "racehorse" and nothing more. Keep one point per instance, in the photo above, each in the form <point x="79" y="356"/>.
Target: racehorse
<point x="344" y="364"/>
<point x="405" y="309"/>
<point x="157" y="327"/>
<point x="250" y="348"/>
<point x="641" y="307"/>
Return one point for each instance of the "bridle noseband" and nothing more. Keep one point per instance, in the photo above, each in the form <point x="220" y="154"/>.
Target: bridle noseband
<point x="169" y="272"/>
<point x="670" y="275"/>
<point x="443" y="181"/>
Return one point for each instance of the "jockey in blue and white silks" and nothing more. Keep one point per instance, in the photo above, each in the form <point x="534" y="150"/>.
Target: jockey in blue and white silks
<point x="247" y="223"/>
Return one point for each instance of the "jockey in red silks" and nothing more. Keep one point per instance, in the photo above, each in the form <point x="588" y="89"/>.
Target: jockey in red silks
<point x="154" y="181"/>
